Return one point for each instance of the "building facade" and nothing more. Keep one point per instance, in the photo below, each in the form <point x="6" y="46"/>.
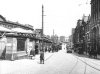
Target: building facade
<point x="95" y="25"/>
<point x="62" y="38"/>
<point x="80" y="35"/>
<point x="18" y="40"/>
<point x="91" y="36"/>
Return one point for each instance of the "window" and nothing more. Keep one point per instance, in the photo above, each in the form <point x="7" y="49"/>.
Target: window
<point x="20" y="44"/>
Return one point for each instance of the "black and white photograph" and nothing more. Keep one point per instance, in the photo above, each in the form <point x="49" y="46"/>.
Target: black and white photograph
<point x="49" y="37"/>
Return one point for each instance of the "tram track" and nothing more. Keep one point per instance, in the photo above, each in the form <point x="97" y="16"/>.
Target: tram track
<point x="74" y="66"/>
<point x="94" y="63"/>
<point x="77" y="62"/>
<point x="85" y="66"/>
<point x="88" y="63"/>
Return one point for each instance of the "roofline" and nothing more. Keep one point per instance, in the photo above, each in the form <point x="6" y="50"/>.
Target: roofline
<point x="16" y="24"/>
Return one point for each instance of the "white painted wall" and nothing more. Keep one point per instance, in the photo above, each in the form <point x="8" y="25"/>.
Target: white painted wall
<point x="64" y="46"/>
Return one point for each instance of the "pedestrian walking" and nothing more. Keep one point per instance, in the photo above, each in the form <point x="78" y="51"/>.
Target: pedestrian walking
<point x="41" y="57"/>
<point x="32" y="53"/>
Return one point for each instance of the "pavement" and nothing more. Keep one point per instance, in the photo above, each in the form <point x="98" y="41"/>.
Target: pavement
<point x="8" y="67"/>
<point x="55" y="63"/>
<point x="94" y="64"/>
<point x="86" y="55"/>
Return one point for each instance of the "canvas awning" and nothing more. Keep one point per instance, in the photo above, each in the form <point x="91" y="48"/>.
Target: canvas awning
<point x="29" y="31"/>
<point x="22" y="30"/>
<point x="5" y="29"/>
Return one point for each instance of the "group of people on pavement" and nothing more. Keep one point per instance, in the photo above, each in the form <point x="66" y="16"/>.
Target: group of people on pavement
<point x="53" y="48"/>
<point x="91" y="51"/>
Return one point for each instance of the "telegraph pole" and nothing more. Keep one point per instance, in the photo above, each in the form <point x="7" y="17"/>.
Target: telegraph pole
<point x="42" y="25"/>
<point x="53" y="35"/>
<point x="42" y="36"/>
<point x="42" y="19"/>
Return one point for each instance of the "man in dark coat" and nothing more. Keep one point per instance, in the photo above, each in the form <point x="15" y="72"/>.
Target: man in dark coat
<point x="41" y="57"/>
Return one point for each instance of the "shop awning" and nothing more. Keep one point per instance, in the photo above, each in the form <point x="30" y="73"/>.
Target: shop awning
<point x="29" y="31"/>
<point x="22" y="30"/>
<point x="5" y="29"/>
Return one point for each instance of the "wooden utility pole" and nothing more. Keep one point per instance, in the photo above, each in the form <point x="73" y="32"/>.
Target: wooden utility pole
<point x="42" y="36"/>
<point x="42" y="19"/>
<point x="53" y="35"/>
<point x="42" y="27"/>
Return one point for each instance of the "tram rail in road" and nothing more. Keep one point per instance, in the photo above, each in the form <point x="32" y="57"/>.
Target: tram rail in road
<point x="89" y="63"/>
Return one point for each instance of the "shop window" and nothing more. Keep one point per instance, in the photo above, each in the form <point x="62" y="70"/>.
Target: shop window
<point x="9" y="40"/>
<point x="20" y="44"/>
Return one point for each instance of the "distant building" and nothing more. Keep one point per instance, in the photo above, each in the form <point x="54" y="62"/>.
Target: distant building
<point x="70" y="41"/>
<point x="64" y="46"/>
<point x="73" y="30"/>
<point x="48" y="36"/>
<point x="62" y="38"/>
<point x="54" y="38"/>
<point x="81" y="33"/>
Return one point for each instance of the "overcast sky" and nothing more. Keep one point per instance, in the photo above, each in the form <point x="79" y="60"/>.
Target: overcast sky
<point x="61" y="15"/>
